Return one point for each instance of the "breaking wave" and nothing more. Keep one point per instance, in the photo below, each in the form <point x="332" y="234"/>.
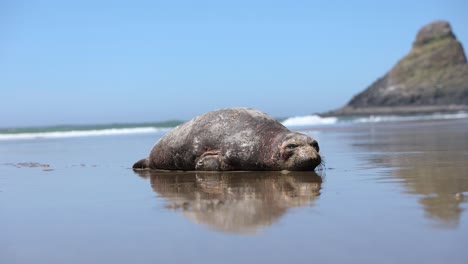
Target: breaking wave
<point x="315" y="120"/>
<point x="309" y="120"/>
<point x="82" y="133"/>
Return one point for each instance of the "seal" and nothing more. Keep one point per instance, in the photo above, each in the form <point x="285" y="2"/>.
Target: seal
<point x="233" y="139"/>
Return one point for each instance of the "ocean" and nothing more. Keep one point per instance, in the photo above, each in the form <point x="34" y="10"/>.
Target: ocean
<point x="393" y="189"/>
<point x="68" y="131"/>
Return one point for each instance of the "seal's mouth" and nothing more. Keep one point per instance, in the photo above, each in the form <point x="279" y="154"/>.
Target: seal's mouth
<point x="307" y="164"/>
<point x="303" y="161"/>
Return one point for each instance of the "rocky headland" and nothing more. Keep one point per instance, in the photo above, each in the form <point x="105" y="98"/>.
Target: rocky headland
<point x="433" y="77"/>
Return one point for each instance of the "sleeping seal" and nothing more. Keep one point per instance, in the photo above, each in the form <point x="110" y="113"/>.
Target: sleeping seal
<point x="233" y="139"/>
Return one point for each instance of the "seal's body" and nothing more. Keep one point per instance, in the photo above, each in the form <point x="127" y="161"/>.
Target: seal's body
<point x="233" y="139"/>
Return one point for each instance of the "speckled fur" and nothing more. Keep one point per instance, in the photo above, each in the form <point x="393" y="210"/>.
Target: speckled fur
<point x="232" y="139"/>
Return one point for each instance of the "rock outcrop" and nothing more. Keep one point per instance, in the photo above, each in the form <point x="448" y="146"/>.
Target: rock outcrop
<point x="432" y="77"/>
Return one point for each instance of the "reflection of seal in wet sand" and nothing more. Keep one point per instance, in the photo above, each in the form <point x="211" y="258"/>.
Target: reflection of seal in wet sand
<point x="233" y="139"/>
<point x="235" y="202"/>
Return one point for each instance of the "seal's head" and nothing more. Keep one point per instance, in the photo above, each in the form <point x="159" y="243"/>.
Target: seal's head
<point x="298" y="152"/>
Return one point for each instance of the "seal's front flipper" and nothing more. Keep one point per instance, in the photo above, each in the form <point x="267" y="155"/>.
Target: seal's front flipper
<point x="209" y="161"/>
<point x="142" y="164"/>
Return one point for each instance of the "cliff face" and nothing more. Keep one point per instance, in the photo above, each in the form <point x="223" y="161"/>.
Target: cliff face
<point x="433" y="75"/>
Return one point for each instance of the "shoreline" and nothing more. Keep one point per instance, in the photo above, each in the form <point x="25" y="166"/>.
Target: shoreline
<point x="396" y="110"/>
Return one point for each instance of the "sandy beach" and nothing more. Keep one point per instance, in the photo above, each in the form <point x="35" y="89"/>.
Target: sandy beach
<point x="390" y="192"/>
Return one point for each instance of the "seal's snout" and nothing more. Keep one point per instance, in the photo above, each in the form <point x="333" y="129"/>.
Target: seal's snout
<point x="316" y="161"/>
<point x="308" y="157"/>
<point x="300" y="152"/>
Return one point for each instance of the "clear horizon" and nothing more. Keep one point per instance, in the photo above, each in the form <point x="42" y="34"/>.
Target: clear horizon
<point x="149" y="61"/>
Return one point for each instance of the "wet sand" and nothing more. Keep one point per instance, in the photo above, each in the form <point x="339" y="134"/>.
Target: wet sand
<point x="389" y="193"/>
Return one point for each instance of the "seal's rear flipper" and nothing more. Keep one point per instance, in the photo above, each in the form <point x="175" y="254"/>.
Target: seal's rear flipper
<point x="142" y="164"/>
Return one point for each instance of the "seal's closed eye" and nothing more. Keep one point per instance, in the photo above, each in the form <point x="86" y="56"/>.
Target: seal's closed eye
<point x="291" y="146"/>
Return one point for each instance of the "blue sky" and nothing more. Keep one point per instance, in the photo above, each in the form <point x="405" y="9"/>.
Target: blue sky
<point x="82" y="62"/>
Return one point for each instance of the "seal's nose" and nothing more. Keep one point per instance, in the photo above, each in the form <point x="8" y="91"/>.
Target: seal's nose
<point x="310" y="152"/>
<point x="315" y="158"/>
<point x="315" y="145"/>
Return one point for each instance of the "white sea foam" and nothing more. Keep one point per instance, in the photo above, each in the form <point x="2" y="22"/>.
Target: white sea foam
<point x="82" y="133"/>
<point x="309" y="120"/>
<point x="314" y="120"/>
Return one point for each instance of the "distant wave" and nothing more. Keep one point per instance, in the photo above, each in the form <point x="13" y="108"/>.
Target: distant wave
<point x="82" y="133"/>
<point x="315" y="120"/>
<point x="389" y="118"/>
